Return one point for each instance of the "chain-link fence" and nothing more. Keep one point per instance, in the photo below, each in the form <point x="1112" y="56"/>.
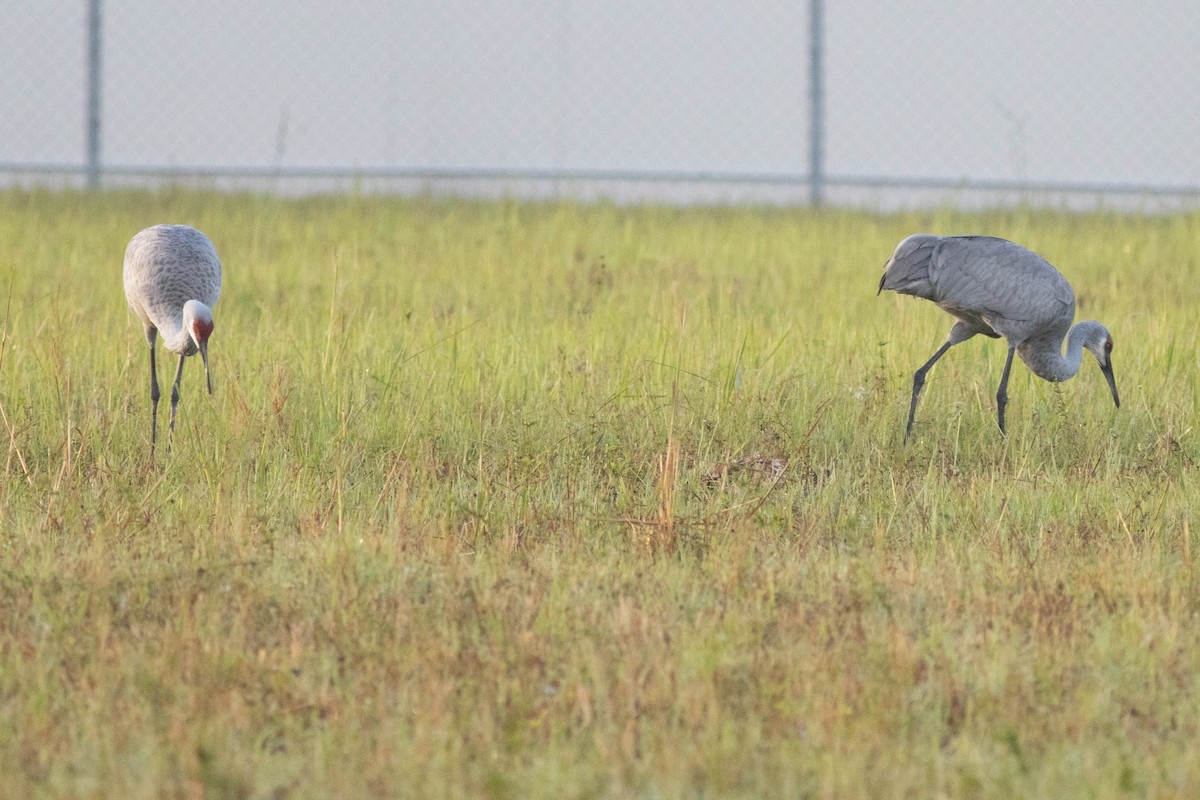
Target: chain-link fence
<point x="887" y="102"/>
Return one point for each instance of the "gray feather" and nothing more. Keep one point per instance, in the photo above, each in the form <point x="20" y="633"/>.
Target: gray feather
<point x="166" y="266"/>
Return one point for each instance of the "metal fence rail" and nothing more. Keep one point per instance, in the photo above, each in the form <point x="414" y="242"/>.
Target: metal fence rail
<point x="846" y="100"/>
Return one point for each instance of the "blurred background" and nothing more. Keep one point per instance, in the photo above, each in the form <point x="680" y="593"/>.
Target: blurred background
<point x="866" y="103"/>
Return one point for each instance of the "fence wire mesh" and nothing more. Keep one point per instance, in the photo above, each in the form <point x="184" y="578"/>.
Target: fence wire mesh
<point x="1011" y="96"/>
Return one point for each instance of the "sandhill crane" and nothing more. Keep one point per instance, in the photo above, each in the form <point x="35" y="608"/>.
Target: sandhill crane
<point x="998" y="288"/>
<point x="172" y="280"/>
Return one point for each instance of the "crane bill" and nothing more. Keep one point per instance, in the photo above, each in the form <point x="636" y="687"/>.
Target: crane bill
<point x="204" y="358"/>
<point x="1112" y="382"/>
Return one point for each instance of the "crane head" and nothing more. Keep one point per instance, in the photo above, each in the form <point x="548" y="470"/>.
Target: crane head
<point x="1106" y="368"/>
<point x="1100" y="344"/>
<point x="198" y="320"/>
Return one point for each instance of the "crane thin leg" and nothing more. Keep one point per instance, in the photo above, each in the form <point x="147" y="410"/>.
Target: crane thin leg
<point x="1002" y="392"/>
<point x="154" y="395"/>
<point x="919" y="381"/>
<point x="175" y="400"/>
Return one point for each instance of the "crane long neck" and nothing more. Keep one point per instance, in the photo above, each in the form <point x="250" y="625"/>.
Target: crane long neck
<point x="175" y="335"/>
<point x="195" y="316"/>
<point x="1046" y="360"/>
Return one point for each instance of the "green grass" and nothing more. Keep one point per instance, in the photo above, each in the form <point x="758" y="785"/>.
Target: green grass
<point x="487" y="503"/>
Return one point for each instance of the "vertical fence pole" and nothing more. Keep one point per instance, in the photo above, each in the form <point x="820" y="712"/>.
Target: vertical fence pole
<point x="816" y="122"/>
<point x="93" y="95"/>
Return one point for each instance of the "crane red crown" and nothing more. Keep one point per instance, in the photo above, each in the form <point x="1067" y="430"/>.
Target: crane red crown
<point x="202" y="330"/>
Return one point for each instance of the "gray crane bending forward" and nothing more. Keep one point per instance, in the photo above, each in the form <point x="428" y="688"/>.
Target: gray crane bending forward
<point x="172" y="280"/>
<point x="998" y="288"/>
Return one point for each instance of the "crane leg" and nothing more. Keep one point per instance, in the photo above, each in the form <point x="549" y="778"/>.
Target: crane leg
<point x="919" y="381"/>
<point x="175" y="400"/>
<point x="1002" y="392"/>
<point x="154" y="395"/>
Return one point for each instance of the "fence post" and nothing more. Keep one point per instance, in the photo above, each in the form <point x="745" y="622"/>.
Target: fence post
<point x="816" y="122"/>
<point x="93" y="95"/>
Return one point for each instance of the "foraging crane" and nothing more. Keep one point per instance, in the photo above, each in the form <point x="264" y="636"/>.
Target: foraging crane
<point x="998" y="288"/>
<point x="172" y="281"/>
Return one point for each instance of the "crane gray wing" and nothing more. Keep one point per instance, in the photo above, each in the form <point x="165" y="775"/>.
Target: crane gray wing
<point x="908" y="270"/>
<point x="1015" y="290"/>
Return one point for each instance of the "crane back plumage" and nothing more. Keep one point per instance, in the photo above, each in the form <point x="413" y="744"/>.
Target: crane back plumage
<point x="165" y="267"/>
<point x="994" y="286"/>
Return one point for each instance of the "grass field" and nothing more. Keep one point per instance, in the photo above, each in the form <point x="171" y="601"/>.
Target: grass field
<point x="554" y="500"/>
